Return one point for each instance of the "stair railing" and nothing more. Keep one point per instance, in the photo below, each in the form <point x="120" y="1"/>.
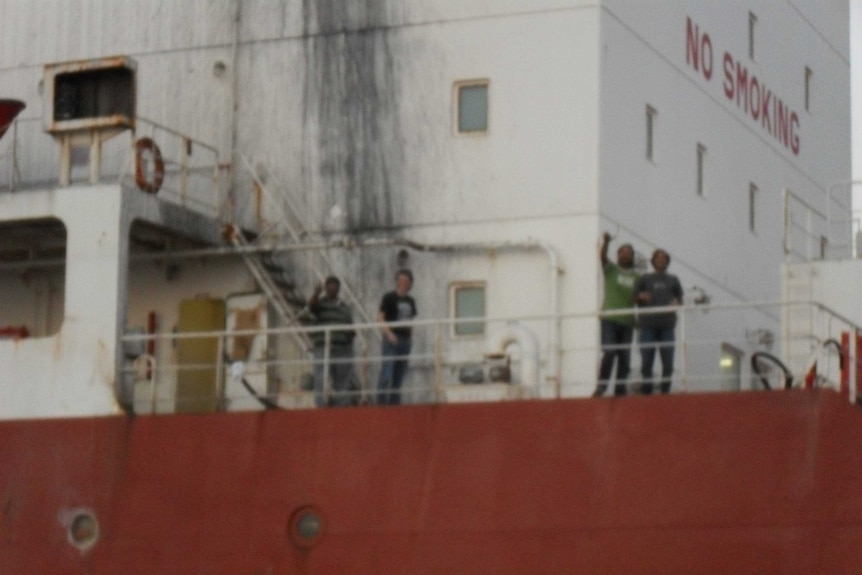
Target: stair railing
<point x="289" y="224"/>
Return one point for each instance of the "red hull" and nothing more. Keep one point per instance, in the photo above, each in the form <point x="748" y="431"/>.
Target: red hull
<point x="746" y="483"/>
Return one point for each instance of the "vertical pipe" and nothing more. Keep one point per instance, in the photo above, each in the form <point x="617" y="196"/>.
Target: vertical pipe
<point x="151" y="371"/>
<point x="221" y="400"/>
<point x="234" y="123"/>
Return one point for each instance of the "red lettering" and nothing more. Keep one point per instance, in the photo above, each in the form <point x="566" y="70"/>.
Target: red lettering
<point x="794" y="136"/>
<point x="728" y="76"/>
<point x="755" y="98"/>
<point x="782" y="128"/>
<point x="692" y="34"/>
<point x="764" y="110"/>
<point x="698" y="49"/>
<point x="742" y="85"/>
<point x="706" y="62"/>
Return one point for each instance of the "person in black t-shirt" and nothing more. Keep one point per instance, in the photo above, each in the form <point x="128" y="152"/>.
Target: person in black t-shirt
<point x="658" y="289"/>
<point x="394" y="307"/>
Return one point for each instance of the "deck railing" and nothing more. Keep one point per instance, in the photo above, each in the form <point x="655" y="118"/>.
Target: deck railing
<point x="193" y="173"/>
<point x="713" y="351"/>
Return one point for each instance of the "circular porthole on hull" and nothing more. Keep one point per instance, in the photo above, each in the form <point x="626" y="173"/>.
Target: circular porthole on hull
<point x="82" y="529"/>
<point x="306" y="526"/>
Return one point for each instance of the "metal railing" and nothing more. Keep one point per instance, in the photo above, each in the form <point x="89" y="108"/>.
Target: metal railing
<point x="193" y="174"/>
<point x="713" y="350"/>
<point x="812" y="233"/>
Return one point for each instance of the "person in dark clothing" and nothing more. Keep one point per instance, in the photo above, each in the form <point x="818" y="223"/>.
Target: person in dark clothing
<point x="329" y="310"/>
<point x="616" y="330"/>
<point x="658" y="289"/>
<point x="397" y="340"/>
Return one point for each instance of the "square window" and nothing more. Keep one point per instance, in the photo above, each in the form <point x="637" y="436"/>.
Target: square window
<point x="472" y="107"/>
<point x="752" y="207"/>
<point x="468" y="300"/>
<point x="752" y="24"/>
<point x="650" y="132"/>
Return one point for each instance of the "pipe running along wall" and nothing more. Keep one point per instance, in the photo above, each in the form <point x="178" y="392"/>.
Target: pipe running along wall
<point x="554" y="267"/>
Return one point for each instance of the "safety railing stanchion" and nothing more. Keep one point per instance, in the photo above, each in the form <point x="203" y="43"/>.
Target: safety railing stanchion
<point x="438" y="364"/>
<point x="683" y="369"/>
<point x="221" y="400"/>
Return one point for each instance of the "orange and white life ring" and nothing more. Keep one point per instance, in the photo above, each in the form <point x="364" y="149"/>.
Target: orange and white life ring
<point x="149" y="166"/>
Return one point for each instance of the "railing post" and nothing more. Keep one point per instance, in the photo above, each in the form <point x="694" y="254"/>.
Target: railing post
<point x="95" y="157"/>
<point x="151" y="369"/>
<point x="684" y="352"/>
<point x="221" y="400"/>
<point x="438" y="364"/>
<point x="327" y="341"/>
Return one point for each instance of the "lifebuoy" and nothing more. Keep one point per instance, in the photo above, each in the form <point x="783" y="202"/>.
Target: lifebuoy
<point x="149" y="166"/>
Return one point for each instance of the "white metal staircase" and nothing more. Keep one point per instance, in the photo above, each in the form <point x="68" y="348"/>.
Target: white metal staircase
<point x="285" y="224"/>
<point x="799" y="318"/>
<point x="270" y="277"/>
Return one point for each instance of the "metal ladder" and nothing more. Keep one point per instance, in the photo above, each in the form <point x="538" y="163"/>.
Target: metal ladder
<point x="800" y="339"/>
<point x="289" y="225"/>
<point x="270" y="277"/>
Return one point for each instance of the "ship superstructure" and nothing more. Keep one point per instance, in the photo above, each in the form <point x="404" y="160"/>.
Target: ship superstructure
<point x="172" y="189"/>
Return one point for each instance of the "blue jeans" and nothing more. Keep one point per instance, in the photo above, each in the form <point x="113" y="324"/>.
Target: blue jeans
<point x="650" y="338"/>
<point x="392" y="370"/>
<point x="340" y="369"/>
<point x="616" y="344"/>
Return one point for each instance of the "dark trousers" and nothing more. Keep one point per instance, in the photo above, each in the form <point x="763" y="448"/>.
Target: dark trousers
<point x="650" y="338"/>
<point x="392" y="370"/>
<point x="616" y="346"/>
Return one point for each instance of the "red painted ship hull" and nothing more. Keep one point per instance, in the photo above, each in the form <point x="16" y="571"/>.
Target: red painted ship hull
<point x="743" y="483"/>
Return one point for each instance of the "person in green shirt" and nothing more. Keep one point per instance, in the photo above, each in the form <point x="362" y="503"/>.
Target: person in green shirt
<point x="616" y="330"/>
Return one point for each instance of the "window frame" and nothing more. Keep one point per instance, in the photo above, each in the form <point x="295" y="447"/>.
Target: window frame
<point x="651" y="116"/>
<point x="456" y="98"/>
<point x="753" y="193"/>
<point x="752" y="25"/>
<point x="700" y="176"/>
<point x="456" y="287"/>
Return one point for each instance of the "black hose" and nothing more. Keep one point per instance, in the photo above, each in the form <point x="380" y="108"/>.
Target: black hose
<point x="264" y="401"/>
<point x="837" y="344"/>
<point x="762" y="355"/>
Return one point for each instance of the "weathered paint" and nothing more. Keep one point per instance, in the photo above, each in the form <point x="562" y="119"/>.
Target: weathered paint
<point x="744" y="483"/>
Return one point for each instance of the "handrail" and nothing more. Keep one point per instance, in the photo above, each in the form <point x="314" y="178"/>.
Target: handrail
<point x="810" y="211"/>
<point x="185" y="170"/>
<point x="437" y="361"/>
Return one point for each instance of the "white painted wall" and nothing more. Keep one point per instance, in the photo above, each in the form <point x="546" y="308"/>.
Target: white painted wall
<point x="354" y="108"/>
<point x="72" y="372"/>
